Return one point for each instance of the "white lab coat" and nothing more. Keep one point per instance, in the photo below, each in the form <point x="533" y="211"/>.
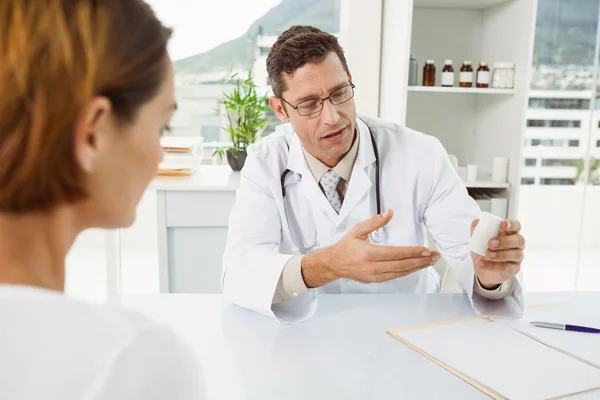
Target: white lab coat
<point x="417" y="181"/>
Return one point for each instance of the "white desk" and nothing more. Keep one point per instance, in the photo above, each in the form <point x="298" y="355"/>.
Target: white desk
<point x="193" y="215"/>
<point x="344" y="352"/>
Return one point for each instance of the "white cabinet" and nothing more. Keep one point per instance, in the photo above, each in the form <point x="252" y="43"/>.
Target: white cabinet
<point x="474" y="124"/>
<point x="193" y="215"/>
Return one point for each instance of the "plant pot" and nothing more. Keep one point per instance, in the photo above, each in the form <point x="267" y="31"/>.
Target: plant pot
<point x="236" y="162"/>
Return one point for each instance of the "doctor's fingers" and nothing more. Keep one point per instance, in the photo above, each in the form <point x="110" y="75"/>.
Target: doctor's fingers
<point x="507" y="243"/>
<point x="510" y="227"/>
<point x="364" y="228"/>
<point x="400" y="266"/>
<point x="388" y="276"/>
<point x="504" y="269"/>
<point x="393" y="253"/>
<point x="515" y="255"/>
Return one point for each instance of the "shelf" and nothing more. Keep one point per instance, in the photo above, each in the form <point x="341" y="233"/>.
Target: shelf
<point x="440" y="89"/>
<point x="458" y="4"/>
<point x="487" y="185"/>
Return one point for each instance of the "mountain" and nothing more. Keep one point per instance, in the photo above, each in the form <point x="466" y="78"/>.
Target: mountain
<point x="565" y="32"/>
<point x="239" y="53"/>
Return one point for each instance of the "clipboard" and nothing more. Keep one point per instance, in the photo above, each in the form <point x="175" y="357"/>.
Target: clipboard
<point x="476" y="371"/>
<point x="396" y="333"/>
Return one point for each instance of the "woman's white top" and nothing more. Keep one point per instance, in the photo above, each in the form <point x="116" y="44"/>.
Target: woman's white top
<point x="53" y="347"/>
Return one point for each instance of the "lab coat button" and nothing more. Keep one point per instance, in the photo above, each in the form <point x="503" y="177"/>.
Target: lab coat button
<point x="341" y="228"/>
<point x="295" y="294"/>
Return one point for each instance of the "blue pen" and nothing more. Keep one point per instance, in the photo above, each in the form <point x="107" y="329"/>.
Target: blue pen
<point x="565" y="327"/>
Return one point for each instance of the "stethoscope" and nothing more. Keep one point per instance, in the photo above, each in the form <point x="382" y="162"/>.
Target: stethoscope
<point x="376" y="236"/>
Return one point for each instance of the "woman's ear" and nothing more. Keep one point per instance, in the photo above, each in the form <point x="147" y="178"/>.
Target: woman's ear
<point x="90" y="130"/>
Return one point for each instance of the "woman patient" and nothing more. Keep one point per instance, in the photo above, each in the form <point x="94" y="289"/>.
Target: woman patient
<point x="86" y="89"/>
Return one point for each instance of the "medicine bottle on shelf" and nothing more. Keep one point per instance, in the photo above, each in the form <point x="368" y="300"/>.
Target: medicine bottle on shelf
<point x="448" y="74"/>
<point x="429" y="73"/>
<point x="483" y="75"/>
<point x="504" y="75"/>
<point x="413" y="71"/>
<point x="466" y="74"/>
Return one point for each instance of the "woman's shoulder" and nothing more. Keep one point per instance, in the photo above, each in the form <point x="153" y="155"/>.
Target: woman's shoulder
<point x="114" y="352"/>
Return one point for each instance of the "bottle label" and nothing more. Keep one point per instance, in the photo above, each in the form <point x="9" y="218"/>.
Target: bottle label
<point x="466" y="77"/>
<point x="483" y="77"/>
<point x="447" y="78"/>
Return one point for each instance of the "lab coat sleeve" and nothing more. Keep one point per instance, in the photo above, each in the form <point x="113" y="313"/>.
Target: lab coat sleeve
<point x="448" y="216"/>
<point x="252" y="264"/>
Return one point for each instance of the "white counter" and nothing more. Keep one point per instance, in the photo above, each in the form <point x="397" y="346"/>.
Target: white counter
<point x="206" y="177"/>
<point x="344" y="352"/>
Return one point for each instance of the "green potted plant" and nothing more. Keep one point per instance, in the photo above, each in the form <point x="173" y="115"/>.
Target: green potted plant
<point x="246" y="113"/>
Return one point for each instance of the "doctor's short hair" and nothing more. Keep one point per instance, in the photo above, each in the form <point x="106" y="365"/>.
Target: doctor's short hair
<point x="296" y="47"/>
<point x="55" y="56"/>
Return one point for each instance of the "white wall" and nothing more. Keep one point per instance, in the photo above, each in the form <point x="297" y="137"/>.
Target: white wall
<point x="360" y="36"/>
<point x="551" y="216"/>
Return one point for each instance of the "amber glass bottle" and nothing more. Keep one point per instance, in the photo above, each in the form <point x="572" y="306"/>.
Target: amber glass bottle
<point x="429" y="73"/>
<point x="466" y="74"/>
<point x="483" y="75"/>
<point x="448" y="74"/>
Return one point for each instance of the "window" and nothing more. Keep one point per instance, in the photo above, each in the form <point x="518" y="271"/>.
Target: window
<point x="552" y="162"/>
<point x="564" y="68"/>
<point x="545" y="142"/>
<point x="530" y="162"/>
<point x="210" y="126"/>
<point x="597" y="143"/>
<point x="556" y="181"/>
<point x="553" y="123"/>
<point x="535" y="123"/>
<point x="559" y="104"/>
<point x="209" y="41"/>
<point x="527" y="181"/>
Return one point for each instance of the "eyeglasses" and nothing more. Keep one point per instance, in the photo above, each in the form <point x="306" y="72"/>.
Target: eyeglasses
<point x="313" y="106"/>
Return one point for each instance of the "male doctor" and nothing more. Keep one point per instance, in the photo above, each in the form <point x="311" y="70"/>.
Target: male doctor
<point x="309" y="216"/>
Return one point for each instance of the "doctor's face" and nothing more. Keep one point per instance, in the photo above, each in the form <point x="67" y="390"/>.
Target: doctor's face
<point x="328" y="134"/>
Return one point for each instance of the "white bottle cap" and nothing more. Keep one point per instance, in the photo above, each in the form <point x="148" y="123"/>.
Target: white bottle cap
<point x="503" y="65"/>
<point x="429" y="62"/>
<point x="487" y="228"/>
<point x="448" y="62"/>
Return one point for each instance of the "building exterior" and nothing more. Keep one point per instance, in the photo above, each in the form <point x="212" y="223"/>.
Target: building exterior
<point x="557" y="139"/>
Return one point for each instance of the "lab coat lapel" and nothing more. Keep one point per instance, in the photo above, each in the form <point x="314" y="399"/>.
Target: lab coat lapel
<point x="359" y="184"/>
<point x="309" y="188"/>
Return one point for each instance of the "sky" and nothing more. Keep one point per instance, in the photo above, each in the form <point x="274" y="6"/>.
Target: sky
<point x="201" y="25"/>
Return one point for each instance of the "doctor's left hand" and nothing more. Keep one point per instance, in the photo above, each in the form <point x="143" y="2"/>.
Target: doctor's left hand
<point x="503" y="258"/>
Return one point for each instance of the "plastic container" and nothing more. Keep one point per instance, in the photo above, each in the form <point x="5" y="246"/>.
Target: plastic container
<point x="487" y="228"/>
<point x="504" y="75"/>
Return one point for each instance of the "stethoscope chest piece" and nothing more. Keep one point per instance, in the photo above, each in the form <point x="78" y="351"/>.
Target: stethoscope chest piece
<point x="377" y="236"/>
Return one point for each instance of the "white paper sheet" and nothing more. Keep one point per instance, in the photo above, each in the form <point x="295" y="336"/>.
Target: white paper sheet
<point x="504" y="360"/>
<point x="583" y="346"/>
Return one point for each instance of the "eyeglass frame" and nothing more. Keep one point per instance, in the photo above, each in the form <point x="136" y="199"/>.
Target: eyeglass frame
<point x="295" y="107"/>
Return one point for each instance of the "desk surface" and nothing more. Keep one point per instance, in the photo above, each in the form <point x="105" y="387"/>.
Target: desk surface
<point x="342" y="353"/>
<point x="206" y="178"/>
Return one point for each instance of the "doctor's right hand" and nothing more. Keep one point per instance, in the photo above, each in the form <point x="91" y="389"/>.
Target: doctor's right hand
<point x="354" y="257"/>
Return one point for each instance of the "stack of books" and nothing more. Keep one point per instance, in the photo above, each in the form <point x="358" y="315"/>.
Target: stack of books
<point x="182" y="155"/>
